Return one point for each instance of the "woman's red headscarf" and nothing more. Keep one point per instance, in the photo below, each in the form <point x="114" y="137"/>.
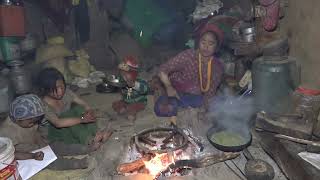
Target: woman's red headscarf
<point x="214" y="29"/>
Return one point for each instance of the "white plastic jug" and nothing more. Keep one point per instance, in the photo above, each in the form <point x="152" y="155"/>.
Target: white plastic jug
<point x="8" y="164"/>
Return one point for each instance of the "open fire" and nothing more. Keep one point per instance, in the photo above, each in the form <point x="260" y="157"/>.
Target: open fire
<point x="153" y="164"/>
<point x="150" y="155"/>
<point x="153" y="152"/>
<point x="160" y="163"/>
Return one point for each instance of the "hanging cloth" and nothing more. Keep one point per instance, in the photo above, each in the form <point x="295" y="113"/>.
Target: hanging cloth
<point x="82" y="21"/>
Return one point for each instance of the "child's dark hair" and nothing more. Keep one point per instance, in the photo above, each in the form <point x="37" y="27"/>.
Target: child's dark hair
<point x="47" y="79"/>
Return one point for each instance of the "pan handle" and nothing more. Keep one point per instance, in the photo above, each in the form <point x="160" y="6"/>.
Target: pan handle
<point x="247" y="154"/>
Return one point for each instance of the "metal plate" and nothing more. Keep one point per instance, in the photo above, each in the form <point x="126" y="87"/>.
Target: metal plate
<point x="156" y="133"/>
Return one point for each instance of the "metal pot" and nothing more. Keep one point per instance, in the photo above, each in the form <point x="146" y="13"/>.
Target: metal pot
<point x="274" y="79"/>
<point x="106" y="88"/>
<point x="20" y="79"/>
<point x="248" y="34"/>
<point x="247" y="136"/>
<point x="115" y="81"/>
<point x="248" y="30"/>
<point x="6" y="2"/>
<point x="249" y="38"/>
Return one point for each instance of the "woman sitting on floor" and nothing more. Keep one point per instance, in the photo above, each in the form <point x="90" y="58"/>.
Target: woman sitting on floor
<point x="193" y="76"/>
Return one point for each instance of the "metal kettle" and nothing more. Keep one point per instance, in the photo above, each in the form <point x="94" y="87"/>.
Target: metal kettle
<point x="19" y="78"/>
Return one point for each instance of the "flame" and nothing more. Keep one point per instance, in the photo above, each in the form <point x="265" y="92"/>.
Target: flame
<point x="158" y="164"/>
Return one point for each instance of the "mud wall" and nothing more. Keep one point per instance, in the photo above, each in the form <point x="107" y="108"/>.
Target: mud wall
<point x="302" y="24"/>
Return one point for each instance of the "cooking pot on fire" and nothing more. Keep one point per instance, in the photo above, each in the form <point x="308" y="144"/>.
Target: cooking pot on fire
<point x="229" y="140"/>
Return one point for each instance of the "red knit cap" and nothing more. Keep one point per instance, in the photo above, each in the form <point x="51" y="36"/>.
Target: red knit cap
<point x="130" y="67"/>
<point x="131" y="62"/>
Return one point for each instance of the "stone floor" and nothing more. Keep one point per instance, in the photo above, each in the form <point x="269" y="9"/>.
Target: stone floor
<point x="104" y="162"/>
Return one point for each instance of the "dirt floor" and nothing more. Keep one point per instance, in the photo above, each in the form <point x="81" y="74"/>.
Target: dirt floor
<point x="104" y="162"/>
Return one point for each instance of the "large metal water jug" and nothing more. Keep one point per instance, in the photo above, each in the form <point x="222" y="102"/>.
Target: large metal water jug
<point x="274" y="79"/>
<point x="19" y="77"/>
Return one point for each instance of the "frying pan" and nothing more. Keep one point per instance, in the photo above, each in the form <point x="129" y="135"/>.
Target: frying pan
<point x="246" y="136"/>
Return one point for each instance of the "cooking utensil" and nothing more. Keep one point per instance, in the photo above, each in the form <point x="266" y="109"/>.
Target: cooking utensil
<point x="248" y="30"/>
<point x="257" y="168"/>
<point x="246" y="136"/>
<point x="106" y="88"/>
<point x="297" y="140"/>
<point x="115" y="81"/>
<point x="160" y="131"/>
<point x="19" y="77"/>
<point x="249" y="38"/>
<point x="248" y="34"/>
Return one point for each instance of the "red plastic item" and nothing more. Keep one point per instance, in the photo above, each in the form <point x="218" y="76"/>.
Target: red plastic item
<point x="271" y="19"/>
<point x="12" y="21"/>
<point x="310" y="92"/>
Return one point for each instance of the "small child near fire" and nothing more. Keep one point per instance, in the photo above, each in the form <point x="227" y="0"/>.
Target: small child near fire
<point x="134" y="96"/>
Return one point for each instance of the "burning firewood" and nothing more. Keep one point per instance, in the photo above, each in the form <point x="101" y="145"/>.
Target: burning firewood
<point x="143" y="170"/>
<point x="133" y="166"/>
<point x="148" y="141"/>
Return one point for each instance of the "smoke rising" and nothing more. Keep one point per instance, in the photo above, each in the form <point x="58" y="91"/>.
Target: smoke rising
<point x="231" y="112"/>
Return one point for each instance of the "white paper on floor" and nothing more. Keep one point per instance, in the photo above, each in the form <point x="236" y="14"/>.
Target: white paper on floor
<point x="28" y="168"/>
<point x="312" y="158"/>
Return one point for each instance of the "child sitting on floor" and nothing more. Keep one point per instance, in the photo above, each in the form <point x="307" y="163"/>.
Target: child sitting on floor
<point x="26" y="113"/>
<point x="134" y="96"/>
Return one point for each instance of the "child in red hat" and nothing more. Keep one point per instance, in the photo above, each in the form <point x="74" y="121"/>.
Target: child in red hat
<point x="134" y="96"/>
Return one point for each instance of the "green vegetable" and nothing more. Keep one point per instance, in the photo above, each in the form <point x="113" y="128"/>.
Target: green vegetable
<point x="226" y="138"/>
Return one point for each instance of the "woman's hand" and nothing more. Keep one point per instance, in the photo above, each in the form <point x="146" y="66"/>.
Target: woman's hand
<point x="170" y="90"/>
<point x="38" y="156"/>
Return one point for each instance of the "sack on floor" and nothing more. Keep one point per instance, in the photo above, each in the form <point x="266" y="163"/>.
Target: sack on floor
<point x="49" y="52"/>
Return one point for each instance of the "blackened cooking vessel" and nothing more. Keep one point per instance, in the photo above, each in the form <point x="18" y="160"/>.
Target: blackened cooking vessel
<point x="246" y="136"/>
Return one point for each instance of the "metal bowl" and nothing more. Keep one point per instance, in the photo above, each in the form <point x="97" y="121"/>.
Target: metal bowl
<point x="248" y="38"/>
<point x="248" y="30"/>
<point x="115" y="80"/>
<point x="106" y="88"/>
